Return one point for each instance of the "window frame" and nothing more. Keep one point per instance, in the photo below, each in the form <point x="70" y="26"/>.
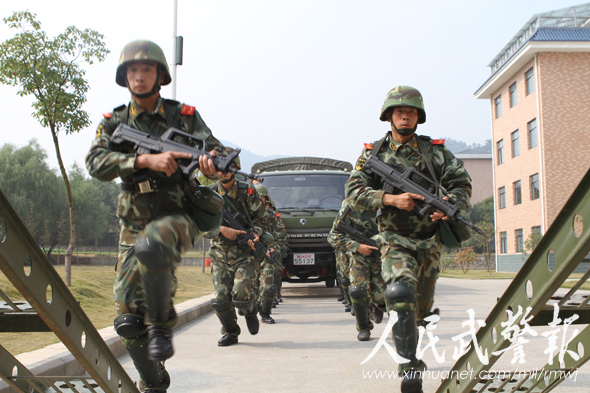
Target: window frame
<point x="503" y="242"/>
<point x="519" y="235"/>
<point x="498" y="106"/>
<point x="529" y="81"/>
<point x="500" y="150"/>
<point x="536" y="140"/>
<point x="538" y="188"/>
<point x="515" y="143"/>
<point x="512" y="95"/>
<point x="517" y="192"/>
<point x="502" y="198"/>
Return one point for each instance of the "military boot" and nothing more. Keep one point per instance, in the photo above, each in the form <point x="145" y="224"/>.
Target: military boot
<point x="152" y="374"/>
<point x="154" y="268"/>
<point x="405" y="336"/>
<point x="227" y="340"/>
<point x="265" y="310"/>
<point x="364" y="335"/>
<point x="377" y="315"/>
<point x="249" y="310"/>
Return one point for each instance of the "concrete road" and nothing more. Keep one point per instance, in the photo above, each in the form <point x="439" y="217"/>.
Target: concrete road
<point x="313" y="347"/>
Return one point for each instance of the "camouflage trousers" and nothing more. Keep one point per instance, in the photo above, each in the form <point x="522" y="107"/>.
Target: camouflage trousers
<point x="278" y="281"/>
<point x="266" y="280"/>
<point x="365" y="272"/>
<point x="418" y="265"/>
<point x="177" y="233"/>
<point x="343" y="264"/>
<point x="235" y="274"/>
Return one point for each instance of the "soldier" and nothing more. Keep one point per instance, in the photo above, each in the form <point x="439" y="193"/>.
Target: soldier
<point x="338" y="242"/>
<point x="367" y="287"/>
<point x="410" y="244"/>
<point x="235" y="266"/>
<point x="281" y="238"/>
<point x="158" y="223"/>
<point x="268" y="269"/>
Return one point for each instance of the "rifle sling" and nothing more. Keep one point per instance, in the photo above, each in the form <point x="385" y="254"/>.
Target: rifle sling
<point x="428" y="160"/>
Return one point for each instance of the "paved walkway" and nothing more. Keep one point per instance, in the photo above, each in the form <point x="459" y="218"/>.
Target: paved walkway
<point x="313" y="346"/>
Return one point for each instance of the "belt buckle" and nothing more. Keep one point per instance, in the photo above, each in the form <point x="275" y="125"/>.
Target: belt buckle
<point x="145" y="187"/>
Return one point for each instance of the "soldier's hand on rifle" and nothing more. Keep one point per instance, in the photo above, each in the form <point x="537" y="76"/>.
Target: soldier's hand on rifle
<point x="206" y="165"/>
<point x="161" y="162"/>
<point x="403" y="201"/>
<point x="437" y="215"/>
<point x="251" y="242"/>
<point x="230" y="233"/>
<point x="366" y="249"/>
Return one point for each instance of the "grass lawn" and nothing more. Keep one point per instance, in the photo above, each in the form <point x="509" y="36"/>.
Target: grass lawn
<point x="476" y="274"/>
<point x="92" y="286"/>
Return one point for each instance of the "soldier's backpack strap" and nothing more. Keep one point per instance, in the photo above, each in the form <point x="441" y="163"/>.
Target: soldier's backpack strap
<point x="174" y="111"/>
<point x="378" y="144"/>
<point x="424" y="150"/>
<point x="123" y="114"/>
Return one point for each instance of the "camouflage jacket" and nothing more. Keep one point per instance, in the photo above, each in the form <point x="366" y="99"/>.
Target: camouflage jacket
<point x="336" y="239"/>
<point x="248" y="203"/>
<point x="400" y="226"/>
<point x="106" y="161"/>
<point x="358" y="219"/>
<point x="277" y="229"/>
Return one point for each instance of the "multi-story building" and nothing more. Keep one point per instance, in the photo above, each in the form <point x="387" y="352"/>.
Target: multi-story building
<point x="539" y="94"/>
<point x="479" y="166"/>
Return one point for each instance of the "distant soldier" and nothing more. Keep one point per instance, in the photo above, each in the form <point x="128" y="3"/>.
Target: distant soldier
<point x="158" y="223"/>
<point x="281" y="238"/>
<point x="367" y="288"/>
<point x="338" y="242"/>
<point x="268" y="270"/>
<point x="234" y="267"/>
<point x="410" y="244"/>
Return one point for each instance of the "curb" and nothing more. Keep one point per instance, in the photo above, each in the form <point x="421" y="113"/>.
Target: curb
<point x="56" y="359"/>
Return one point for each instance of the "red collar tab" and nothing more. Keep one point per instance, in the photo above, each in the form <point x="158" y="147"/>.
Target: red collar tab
<point x="250" y="191"/>
<point x="187" y="110"/>
<point x="107" y="115"/>
<point x="368" y="146"/>
<point x="438" y="141"/>
<point x="277" y="214"/>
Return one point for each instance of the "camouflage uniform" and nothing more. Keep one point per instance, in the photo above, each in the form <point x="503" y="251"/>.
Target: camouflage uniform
<point x="162" y="220"/>
<point x="366" y="282"/>
<point x="338" y="242"/>
<point x="235" y="267"/>
<point x="410" y="244"/>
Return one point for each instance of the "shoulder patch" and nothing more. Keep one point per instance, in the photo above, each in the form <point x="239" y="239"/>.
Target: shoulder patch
<point x="368" y="146"/>
<point x="250" y="191"/>
<point x="360" y="163"/>
<point x="277" y="214"/>
<point x="187" y="110"/>
<point x="120" y="108"/>
<point x="107" y="115"/>
<point x="438" y="141"/>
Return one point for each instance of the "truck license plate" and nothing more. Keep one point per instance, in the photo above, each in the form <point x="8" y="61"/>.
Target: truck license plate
<point x="303" y="259"/>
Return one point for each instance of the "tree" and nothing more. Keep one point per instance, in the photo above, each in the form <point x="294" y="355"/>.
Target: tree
<point x="485" y="240"/>
<point x="465" y="256"/>
<point x="34" y="191"/>
<point x="51" y="71"/>
<point x="483" y="211"/>
<point x="531" y="242"/>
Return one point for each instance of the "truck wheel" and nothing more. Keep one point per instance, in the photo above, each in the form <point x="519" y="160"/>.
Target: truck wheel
<point x="330" y="283"/>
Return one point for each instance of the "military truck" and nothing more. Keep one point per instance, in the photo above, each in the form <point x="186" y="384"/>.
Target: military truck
<point x="308" y="193"/>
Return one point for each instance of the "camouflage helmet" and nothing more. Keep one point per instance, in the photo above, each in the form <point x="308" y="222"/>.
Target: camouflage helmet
<point x="142" y="50"/>
<point x="403" y="96"/>
<point x="262" y="190"/>
<point x="229" y="151"/>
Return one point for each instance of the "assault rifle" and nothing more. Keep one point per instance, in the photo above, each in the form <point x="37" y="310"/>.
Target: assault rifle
<point x="176" y="140"/>
<point x="234" y="221"/>
<point x="392" y="179"/>
<point x="363" y="237"/>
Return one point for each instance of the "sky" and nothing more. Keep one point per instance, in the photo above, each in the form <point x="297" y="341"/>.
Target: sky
<point x="294" y="78"/>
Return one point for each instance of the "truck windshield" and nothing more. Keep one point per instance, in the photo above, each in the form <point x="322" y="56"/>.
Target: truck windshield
<point x="306" y="191"/>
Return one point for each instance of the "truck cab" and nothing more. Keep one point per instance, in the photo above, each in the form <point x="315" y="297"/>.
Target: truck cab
<point x="308" y="193"/>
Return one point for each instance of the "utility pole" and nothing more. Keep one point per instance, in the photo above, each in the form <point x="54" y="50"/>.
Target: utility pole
<point x="177" y="43"/>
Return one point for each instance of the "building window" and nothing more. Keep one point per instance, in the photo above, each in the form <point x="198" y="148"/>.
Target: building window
<point x="536" y="230"/>
<point x="502" y="197"/>
<point x="498" y="102"/>
<point x="532" y="127"/>
<point x="503" y="243"/>
<point x="519" y="240"/>
<point x="515" y="144"/>
<point x="529" y="78"/>
<point x="513" y="98"/>
<point x="535" y="191"/>
<point x="517" y="192"/>
<point x="500" y="145"/>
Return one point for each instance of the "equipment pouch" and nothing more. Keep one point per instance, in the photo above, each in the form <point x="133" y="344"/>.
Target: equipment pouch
<point x="205" y="204"/>
<point x="453" y="233"/>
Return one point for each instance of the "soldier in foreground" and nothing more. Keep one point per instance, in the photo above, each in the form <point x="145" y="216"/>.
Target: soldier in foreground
<point x="158" y="223"/>
<point x="235" y="266"/>
<point x="410" y="244"/>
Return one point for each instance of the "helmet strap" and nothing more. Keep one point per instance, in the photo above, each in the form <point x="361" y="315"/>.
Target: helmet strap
<point x="404" y="131"/>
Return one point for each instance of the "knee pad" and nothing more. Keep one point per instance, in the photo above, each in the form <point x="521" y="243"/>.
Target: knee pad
<point x="130" y="326"/>
<point x="357" y="292"/>
<point x="219" y="305"/>
<point x="345" y="281"/>
<point x="401" y="296"/>
<point x="270" y="291"/>
<point x="244" y="307"/>
<point x="152" y="253"/>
